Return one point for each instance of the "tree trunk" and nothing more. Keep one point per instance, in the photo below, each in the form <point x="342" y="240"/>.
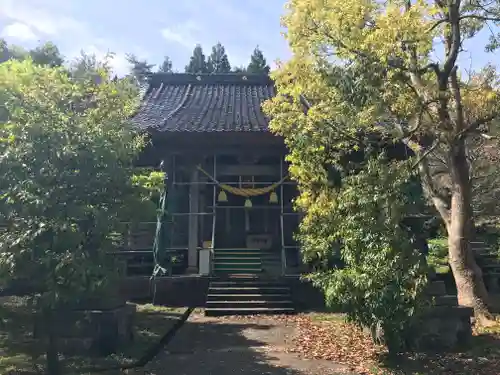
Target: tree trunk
<point x="460" y="226"/>
<point x="52" y="353"/>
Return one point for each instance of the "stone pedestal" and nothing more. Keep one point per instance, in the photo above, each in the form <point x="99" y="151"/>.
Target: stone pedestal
<point x="100" y="331"/>
<point x="444" y="327"/>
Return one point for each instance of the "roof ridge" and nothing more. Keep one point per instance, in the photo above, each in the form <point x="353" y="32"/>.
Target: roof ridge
<point x="156" y="79"/>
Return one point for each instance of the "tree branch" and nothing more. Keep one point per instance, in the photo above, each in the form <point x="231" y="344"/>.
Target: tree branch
<point x="480" y="18"/>
<point x="437" y="199"/>
<point x="425" y="154"/>
<point x="454" y="41"/>
<point x="457" y="95"/>
<point x="476" y="124"/>
<point x="437" y="23"/>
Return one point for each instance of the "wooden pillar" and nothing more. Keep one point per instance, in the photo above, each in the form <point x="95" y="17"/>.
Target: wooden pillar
<point x="194" y="199"/>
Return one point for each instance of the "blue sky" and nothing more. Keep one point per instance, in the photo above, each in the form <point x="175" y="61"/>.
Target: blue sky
<point x="148" y="28"/>
<point x="154" y="28"/>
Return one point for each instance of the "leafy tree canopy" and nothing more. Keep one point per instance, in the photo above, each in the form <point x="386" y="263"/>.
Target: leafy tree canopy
<point x="44" y="54"/>
<point x="67" y="150"/>
<point x="375" y="66"/>
<point x="47" y="54"/>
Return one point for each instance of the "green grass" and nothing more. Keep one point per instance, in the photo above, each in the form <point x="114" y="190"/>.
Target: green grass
<point x="21" y="354"/>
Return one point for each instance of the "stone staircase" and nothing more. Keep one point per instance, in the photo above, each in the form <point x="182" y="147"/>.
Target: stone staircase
<point x="489" y="262"/>
<point x="237" y="261"/>
<point x="248" y="295"/>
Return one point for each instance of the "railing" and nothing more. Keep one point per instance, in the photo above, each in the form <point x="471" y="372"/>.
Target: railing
<point x="137" y="250"/>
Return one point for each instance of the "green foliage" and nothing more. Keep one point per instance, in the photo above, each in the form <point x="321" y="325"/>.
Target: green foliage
<point x="66" y="150"/>
<point x="140" y="70"/>
<point x="373" y="67"/>
<point x="44" y="54"/>
<point x="258" y="63"/>
<point x="239" y="69"/>
<point x="47" y="54"/>
<point x="490" y="233"/>
<point x="150" y="180"/>
<point x="381" y="283"/>
<point x="197" y="62"/>
<point x="438" y="255"/>
<point x="218" y="61"/>
<point x="166" y="65"/>
<point x="88" y="66"/>
<point x="150" y="184"/>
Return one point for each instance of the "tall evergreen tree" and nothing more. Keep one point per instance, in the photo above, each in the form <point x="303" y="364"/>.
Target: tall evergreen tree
<point x="239" y="69"/>
<point x="197" y="63"/>
<point x="141" y="69"/>
<point x="166" y="65"/>
<point x="218" y="61"/>
<point x="258" y="63"/>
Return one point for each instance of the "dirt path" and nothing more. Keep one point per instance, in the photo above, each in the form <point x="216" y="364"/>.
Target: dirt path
<point x="227" y="346"/>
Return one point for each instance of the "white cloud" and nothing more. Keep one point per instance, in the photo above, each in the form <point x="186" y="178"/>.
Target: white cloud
<point x="185" y="34"/>
<point x="51" y="20"/>
<point x="19" y="31"/>
<point x="41" y="19"/>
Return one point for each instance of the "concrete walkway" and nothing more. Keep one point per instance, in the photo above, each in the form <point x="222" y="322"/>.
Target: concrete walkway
<point x="229" y="346"/>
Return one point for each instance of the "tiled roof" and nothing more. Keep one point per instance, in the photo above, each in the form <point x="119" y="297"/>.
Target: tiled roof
<point x="205" y="103"/>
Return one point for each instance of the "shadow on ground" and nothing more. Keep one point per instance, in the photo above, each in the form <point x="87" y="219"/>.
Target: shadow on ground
<point x="21" y="354"/>
<point x="209" y="347"/>
<point x="203" y="346"/>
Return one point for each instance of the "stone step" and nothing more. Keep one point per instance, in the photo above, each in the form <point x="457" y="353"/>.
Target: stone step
<point x="224" y="257"/>
<point x="237" y="251"/>
<point x="236" y="271"/>
<point x="218" y="311"/>
<point x="446" y="300"/>
<point x="245" y="283"/>
<point x="240" y="263"/>
<point x="249" y="290"/>
<point x="248" y="297"/>
<point x="491" y="265"/>
<point x="436" y="288"/>
<point x="248" y="304"/>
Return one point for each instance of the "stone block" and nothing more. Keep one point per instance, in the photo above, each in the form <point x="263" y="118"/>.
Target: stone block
<point x="442" y="328"/>
<point x="436" y="288"/>
<point x="446" y="300"/>
<point x="100" y="331"/>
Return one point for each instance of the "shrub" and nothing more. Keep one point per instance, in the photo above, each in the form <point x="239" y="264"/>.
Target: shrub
<point x="382" y="282"/>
